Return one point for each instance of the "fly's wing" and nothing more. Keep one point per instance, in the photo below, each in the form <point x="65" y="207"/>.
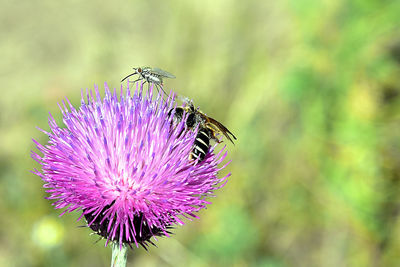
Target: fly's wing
<point x="222" y="128"/>
<point x="163" y="73"/>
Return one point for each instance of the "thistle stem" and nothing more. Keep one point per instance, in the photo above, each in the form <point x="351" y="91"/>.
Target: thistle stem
<point x="119" y="255"/>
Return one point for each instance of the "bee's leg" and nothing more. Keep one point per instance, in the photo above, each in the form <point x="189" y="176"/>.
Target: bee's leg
<point x="217" y="140"/>
<point x="193" y="158"/>
<point x="212" y="131"/>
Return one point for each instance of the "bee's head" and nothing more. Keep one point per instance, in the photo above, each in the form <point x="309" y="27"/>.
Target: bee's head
<point x="187" y="102"/>
<point x="190" y="105"/>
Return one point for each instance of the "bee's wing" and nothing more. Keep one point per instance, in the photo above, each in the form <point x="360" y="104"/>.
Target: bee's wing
<point x="163" y="73"/>
<point x="223" y="129"/>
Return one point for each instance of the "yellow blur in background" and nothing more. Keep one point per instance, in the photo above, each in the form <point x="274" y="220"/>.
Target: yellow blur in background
<point x="311" y="89"/>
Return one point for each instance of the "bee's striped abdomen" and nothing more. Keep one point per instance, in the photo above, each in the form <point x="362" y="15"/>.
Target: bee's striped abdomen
<point x="201" y="144"/>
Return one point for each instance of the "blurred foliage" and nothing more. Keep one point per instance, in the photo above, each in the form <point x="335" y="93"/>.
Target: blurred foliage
<point x="310" y="88"/>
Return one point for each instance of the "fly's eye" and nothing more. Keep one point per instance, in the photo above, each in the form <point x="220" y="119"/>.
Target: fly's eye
<point x="139" y="70"/>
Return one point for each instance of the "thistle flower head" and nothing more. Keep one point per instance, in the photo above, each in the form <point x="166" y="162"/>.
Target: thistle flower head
<point x="120" y="161"/>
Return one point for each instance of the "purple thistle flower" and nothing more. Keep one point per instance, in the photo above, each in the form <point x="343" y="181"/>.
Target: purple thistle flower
<point x="121" y="162"/>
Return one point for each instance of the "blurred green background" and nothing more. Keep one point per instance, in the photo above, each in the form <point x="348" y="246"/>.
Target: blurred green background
<point x="310" y="88"/>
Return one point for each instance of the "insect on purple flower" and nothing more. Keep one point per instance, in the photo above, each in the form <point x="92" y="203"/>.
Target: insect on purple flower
<point x="119" y="161"/>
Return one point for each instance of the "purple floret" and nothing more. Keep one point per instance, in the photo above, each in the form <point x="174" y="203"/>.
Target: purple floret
<point x="119" y="160"/>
